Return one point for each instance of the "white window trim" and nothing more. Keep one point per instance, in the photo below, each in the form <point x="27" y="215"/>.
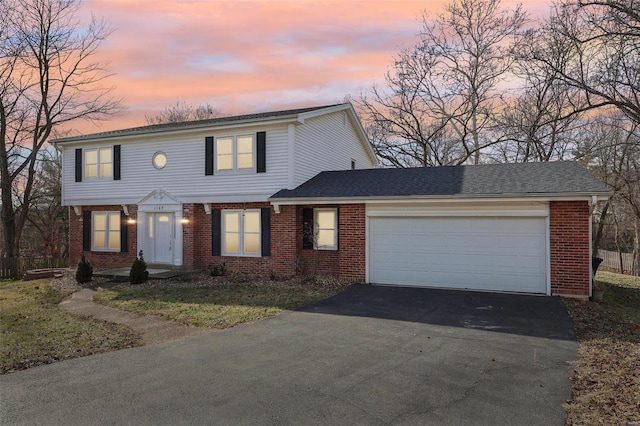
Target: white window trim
<point x="316" y="228"/>
<point x="223" y="233"/>
<point x="107" y="231"/>
<point x="234" y="153"/>
<point x="98" y="171"/>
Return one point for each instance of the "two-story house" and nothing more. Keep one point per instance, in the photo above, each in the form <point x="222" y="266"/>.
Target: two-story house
<point x="285" y="191"/>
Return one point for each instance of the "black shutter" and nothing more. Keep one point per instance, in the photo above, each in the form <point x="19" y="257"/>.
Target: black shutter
<point x="116" y="162"/>
<point x="208" y="156"/>
<point x="86" y="230"/>
<point x="261" y="152"/>
<point x="216" y="232"/>
<point x="78" y="165"/>
<point x="124" y="230"/>
<point x="307" y="228"/>
<point x="265" y="228"/>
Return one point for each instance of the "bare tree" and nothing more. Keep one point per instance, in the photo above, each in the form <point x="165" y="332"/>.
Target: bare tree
<point x="47" y="78"/>
<point x="610" y="146"/>
<point x="600" y="43"/>
<point x="540" y="123"/>
<point x="181" y="112"/>
<point x="441" y="94"/>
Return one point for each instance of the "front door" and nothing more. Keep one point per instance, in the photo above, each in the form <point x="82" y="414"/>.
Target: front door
<point x="161" y="237"/>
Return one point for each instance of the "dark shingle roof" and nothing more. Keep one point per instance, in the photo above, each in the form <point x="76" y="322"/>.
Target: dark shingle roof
<point x="564" y="177"/>
<point x="198" y="123"/>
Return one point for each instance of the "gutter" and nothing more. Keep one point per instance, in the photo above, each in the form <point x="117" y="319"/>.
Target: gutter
<point x="590" y="197"/>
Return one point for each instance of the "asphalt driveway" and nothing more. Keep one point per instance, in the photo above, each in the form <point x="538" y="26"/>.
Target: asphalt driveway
<point x="372" y="355"/>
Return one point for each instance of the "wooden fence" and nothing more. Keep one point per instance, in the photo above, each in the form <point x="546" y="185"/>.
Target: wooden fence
<point x="611" y="260"/>
<point x="15" y="267"/>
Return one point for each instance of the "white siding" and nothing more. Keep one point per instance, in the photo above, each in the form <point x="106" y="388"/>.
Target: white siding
<point x="183" y="176"/>
<point x="327" y="142"/>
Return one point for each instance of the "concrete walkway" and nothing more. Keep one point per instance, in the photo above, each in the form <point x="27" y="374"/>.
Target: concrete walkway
<point x="152" y="329"/>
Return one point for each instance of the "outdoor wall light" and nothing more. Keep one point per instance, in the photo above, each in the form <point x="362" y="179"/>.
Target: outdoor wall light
<point x="184" y="221"/>
<point x="131" y="221"/>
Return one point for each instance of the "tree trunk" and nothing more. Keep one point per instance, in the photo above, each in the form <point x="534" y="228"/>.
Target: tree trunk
<point x="636" y="249"/>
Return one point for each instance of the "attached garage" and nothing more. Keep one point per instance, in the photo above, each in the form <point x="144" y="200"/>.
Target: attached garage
<point x="523" y="228"/>
<point x="479" y="253"/>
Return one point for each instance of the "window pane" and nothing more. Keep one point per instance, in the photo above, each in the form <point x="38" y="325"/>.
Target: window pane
<point x="91" y="157"/>
<point x="251" y="243"/>
<point x="105" y="170"/>
<point x="245" y="144"/>
<point x="224" y="146"/>
<point x="326" y="238"/>
<point x="232" y="222"/>
<point x="100" y="221"/>
<point x="252" y="222"/>
<point x="245" y="161"/>
<point x="326" y="219"/>
<point x="91" y="170"/>
<point x="114" y="221"/>
<point x="225" y="162"/>
<point x="114" y="240"/>
<point x="99" y="239"/>
<point x="105" y="155"/>
<point x="231" y="243"/>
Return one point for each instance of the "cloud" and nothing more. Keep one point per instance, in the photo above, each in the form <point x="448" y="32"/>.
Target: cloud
<point x="249" y="55"/>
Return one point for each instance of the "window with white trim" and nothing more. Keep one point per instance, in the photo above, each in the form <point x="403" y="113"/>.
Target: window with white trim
<point x="325" y="229"/>
<point x="241" y="232"/>
<point x="105" y="231"/>
<point x="235" y="153"/>
<point x="98" y="163"/>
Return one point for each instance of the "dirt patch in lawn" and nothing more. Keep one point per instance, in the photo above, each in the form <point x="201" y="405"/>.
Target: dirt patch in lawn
<point x="606" y="387"/>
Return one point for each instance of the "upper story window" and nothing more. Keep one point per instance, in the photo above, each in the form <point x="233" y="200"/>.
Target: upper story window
<point x="241" y="232"/>
<point x="235" y="153"/>
<point x="106" y="231"/>
<point x="98" y="163"/>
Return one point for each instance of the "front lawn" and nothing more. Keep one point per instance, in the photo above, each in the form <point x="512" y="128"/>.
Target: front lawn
<point x="35" y="331"/>
<point x="606" y="388"/>
<point x="219" y="306"/>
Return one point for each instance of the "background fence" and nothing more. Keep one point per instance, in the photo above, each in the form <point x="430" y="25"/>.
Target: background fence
<point x="611" y="260"/>
<point x="15" y="267"/>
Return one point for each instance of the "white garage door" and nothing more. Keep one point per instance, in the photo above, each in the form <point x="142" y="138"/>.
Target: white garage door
<point x="480" y="253"/>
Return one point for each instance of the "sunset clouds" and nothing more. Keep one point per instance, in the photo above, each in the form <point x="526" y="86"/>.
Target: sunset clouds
<point x="249" y="56"/>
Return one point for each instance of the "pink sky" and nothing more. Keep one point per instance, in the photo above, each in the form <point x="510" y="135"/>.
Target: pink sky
<point x="251" y="55"/>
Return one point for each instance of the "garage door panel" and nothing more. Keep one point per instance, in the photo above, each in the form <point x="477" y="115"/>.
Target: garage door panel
<point x="504" y="254"/>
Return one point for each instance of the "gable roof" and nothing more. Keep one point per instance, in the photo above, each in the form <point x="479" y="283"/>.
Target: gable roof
<point x="293" y="114"/>
<point x="490" y="180"/>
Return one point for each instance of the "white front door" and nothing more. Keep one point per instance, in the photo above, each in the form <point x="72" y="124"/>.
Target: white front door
<point x="160" y="231"/>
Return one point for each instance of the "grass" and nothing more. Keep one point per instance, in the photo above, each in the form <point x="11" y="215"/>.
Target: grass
<point x="217" y="307"/>
<point x="606" y="388"/>
<point x="35" y="331"/>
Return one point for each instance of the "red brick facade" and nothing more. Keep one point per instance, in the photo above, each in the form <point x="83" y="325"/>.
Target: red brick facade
<point x="569" y="243"/>
<point x="570" y="254"/>
<point x="98" y="258"/>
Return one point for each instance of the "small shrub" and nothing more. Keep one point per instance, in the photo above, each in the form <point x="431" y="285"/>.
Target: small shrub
<point x="84" y="271"/>
<point x="217" y="270"/>
<point x="139" y="273"/>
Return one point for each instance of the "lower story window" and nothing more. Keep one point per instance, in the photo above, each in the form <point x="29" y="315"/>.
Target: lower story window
<point x="241" y="232"/>
<point x="326" y="229"/>
<point x="106" y="231"/>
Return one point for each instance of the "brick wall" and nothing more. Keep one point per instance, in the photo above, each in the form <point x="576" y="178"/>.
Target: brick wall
<point x="281" y="263"/>
<point x="569" y="241"/>
<point x="99" y="259"/>
<point x="348" y="262"/>
<point x="352" y="242"/>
